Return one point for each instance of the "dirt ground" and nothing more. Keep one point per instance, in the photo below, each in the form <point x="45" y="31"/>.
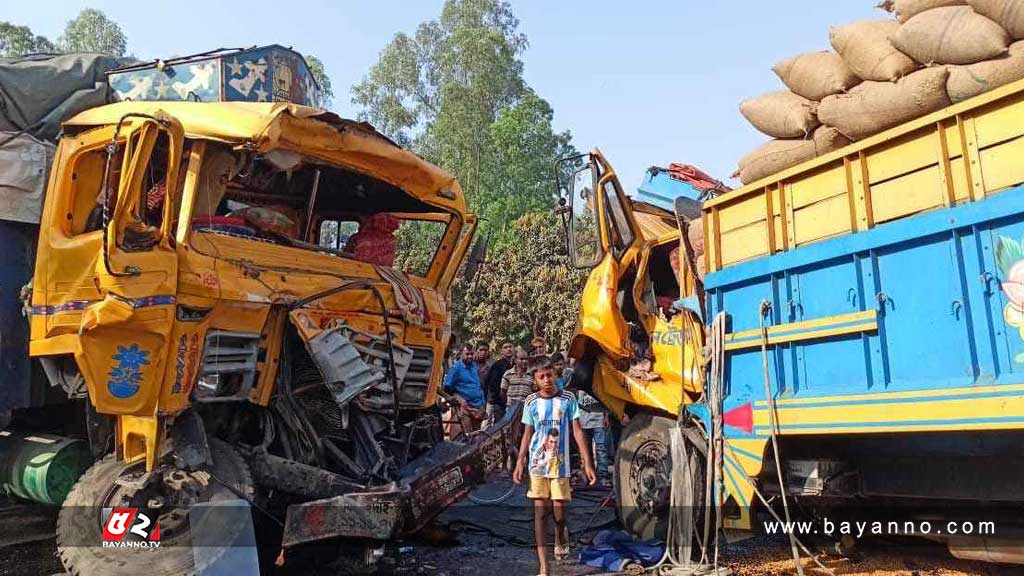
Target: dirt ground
<point x="496" y="540"/>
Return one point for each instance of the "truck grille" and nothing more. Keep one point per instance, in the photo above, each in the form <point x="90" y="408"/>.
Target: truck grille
<point x="228" y="371"/>
<point x="417" y="379"/>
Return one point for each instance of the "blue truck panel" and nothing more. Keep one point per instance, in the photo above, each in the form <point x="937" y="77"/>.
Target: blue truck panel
<point x="266" y="74"/>
<point x="948" y="290"/>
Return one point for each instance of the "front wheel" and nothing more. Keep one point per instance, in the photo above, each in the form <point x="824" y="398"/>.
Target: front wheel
<point x="643" y="477"/>
<point x="111" y="483"/>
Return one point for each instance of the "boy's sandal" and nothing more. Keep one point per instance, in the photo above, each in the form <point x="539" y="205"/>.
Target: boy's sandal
<point x="561" y="552"/>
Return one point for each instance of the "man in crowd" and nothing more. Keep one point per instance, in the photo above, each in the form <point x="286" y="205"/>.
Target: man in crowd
<point x="594" y="422"/>
<point x="492" y="383"/>
<point x="516" y="385"/>
<point x="562" y="374"/>
<point x="463" y="382"/>
<point x="538" y="346"/>
<point x="517" y="382"/>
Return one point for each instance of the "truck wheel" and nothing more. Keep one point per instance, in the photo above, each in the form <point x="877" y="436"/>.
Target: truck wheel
<point x="80" y="529"/>
<point x="643" y="477"/>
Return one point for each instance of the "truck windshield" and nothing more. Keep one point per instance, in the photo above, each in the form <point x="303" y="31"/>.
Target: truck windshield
<point x="283" y="198"/>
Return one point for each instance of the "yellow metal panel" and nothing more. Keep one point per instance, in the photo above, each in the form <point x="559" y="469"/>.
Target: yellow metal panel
<point x="907" y="195"/>
<point x="745" y="243"/>
<point x="968" y="131"/>
<point x="961" y="189"/>
<point x="743" y="213"/>
<point x="139" y="438"/>
<point x="998" y="122"/>
<point x="823" y="219"/>
<point x="1001" y="166"/>
<point x="818" y="186"/>
<point x="902" y="155"/>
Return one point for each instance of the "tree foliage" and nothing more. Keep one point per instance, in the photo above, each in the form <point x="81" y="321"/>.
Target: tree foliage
<point x="525" y="289"/>
<point x="17" y="41"/>
<point x="92" y="31"/>
<point x="454" y="92"/>
<point x="316" y="68"/>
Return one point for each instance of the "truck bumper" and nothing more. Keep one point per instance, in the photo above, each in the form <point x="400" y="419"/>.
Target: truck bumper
<point x="431" y="483"/>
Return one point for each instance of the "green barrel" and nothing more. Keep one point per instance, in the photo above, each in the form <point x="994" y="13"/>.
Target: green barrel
<point x="41" y="467"/>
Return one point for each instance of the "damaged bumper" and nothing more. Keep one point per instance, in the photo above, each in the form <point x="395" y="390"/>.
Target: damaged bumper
<point x="431" y="483"/>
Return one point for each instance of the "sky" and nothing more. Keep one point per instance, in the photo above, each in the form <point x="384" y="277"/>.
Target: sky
<point x="647" y="82"/>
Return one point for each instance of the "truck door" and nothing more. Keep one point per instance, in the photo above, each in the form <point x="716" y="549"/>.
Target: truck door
<point x="124" y="335"/>
<point x="602" y="236"/>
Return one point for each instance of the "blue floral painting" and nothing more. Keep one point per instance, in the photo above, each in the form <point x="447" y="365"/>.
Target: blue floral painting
<point x="126" y="375"/>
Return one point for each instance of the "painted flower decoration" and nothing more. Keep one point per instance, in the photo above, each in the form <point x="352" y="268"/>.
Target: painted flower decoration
<point x="126" y="374"/>
<point x="1010" y="259"/>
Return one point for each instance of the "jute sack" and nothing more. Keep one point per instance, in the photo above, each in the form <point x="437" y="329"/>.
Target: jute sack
<point x="871" y="107"/>
<point x="772" y="157"/>
<point x="781" y="114"/>
<point x="969" y="81"/>
<point x="695" y="234"/>
<point x="866" y="49"/>
<point x="907" y="9"/>
<point x="828" y="138"/>
<point x="951" y="35"/>
<point x="1007" y="13"/>
<point x="815" y="75"/>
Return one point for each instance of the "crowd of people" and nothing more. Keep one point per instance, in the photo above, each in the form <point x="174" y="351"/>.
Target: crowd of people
<point x="551" y="413"/>
<point x="483" y="386"/>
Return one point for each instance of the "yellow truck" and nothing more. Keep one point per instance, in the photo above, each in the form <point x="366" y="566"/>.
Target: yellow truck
<point x="222" y="298"/>
<point x="855" y="344"/>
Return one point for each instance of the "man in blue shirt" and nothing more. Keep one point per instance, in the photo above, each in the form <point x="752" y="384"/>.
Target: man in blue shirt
<point x="463" y="382"/>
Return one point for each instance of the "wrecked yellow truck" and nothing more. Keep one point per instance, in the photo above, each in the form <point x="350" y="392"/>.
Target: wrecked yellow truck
<point x="227" y="290"/>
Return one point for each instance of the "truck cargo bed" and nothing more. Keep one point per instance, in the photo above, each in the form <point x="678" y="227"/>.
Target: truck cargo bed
<point x="963" y="153"/>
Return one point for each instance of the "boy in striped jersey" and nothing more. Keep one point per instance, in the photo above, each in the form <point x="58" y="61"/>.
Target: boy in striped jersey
<point x="549" y="416"/>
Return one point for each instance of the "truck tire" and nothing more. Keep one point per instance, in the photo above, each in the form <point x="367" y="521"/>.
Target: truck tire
<point x="80" y="533"/>
<point x="643" y="474"/>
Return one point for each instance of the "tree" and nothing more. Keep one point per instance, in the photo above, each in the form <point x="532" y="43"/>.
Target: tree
<point x="17" y="41"/>
<point x="316" y="68"/>
<point x="454" y="92"/>
<point x="526" y="289"/>
<point x="92" y="31"/>
<point x="441" y="90"/>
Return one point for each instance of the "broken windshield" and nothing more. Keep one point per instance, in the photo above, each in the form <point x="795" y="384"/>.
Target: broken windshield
<point x="281" y="198"/>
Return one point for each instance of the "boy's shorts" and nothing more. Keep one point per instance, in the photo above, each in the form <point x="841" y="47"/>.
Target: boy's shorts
<point x="542" y="488"/>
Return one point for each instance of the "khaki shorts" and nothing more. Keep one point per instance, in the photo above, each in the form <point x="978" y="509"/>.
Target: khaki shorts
<point x="542" y="488"/>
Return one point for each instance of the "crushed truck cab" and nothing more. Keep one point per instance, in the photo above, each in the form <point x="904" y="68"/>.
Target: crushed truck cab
<point x="248" y="300"/>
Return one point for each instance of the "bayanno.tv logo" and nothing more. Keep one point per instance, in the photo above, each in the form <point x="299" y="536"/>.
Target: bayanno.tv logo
<point x="130" y="528"/>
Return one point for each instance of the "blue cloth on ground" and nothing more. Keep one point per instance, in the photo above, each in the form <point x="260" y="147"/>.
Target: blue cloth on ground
<point x="614" y="549"/>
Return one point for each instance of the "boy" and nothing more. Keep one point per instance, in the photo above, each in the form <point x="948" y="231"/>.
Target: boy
<point x="548" y="416"/>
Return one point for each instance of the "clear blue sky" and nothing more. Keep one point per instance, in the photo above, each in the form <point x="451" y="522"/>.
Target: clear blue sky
<point x="648" y="82"/>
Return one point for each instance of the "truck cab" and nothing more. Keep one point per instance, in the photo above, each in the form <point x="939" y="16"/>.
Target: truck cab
<point x="639" y="340"/>
<point x="253" y="292"/>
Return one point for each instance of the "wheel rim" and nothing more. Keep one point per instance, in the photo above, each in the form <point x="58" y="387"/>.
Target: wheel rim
<point x="170" y="493"/>
<point x="650" y="477"/>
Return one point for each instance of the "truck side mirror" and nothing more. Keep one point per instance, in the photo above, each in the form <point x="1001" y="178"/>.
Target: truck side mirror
<point x="477" y="258"/>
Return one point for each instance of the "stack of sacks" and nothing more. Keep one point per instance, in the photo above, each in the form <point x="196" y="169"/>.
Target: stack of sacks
<point x="874" y="80"/>
<point x="968" y="81"/>
<point x="791" y="116"/>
